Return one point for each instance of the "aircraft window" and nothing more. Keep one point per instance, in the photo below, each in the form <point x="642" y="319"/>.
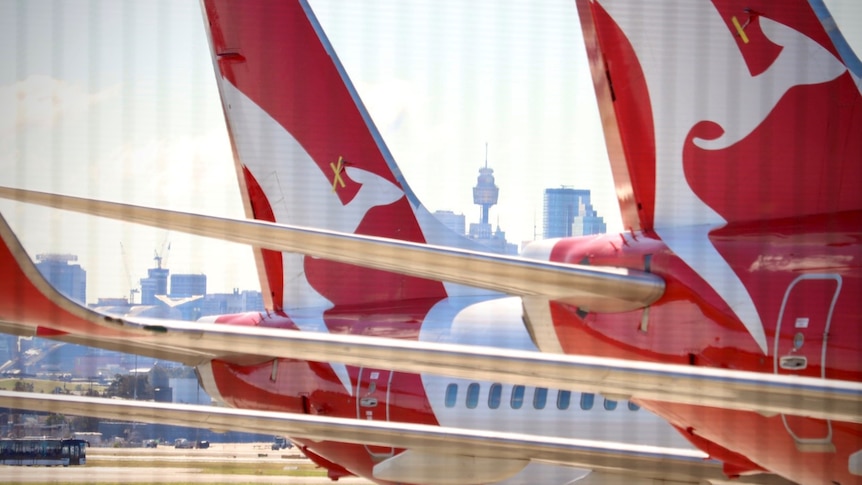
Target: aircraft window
<point x="473" y="395"/>
<point x="451" y="395"/>
<point x="587" y="401"/>
<point x="564" y="398"/>
<point x="517" y="397"/>
<point x="540" y="397"/>
<point x="495" y="395"/>
<point x="610" y="405"/>
<point x="633" y="406"/>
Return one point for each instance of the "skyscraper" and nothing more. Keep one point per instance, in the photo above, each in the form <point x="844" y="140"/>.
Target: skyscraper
<point x="568" y="212"/>
<point x="69" y="279"/>
<point x="185" y="285"/>
<point x="156" y="283"/>
<point x="453" y="221"/>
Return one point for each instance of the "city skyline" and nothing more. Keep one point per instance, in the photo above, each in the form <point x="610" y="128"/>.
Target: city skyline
<point x="134" y="116"/>
<point x="156" y="280"/>
<point x="118" y="102"/>
<point x="64" y="273"/>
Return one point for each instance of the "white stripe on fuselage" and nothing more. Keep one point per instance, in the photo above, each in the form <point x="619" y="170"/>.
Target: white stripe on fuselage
<point x="497" y="322"/>
<point x="483" y="321"/>
<point x="583" y="416"/>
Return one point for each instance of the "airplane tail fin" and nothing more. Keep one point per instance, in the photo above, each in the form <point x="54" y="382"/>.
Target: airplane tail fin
<point x="308" y="154"/>
<point x="725" y="111"/>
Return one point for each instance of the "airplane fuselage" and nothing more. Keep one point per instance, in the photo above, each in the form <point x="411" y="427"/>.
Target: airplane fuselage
<point x="320" y="388"/>
<point x="803" y="275"/>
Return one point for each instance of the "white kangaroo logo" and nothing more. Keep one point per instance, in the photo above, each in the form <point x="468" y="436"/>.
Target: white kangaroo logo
<point x="300" y="194"/>
<point x="700" y="75"/>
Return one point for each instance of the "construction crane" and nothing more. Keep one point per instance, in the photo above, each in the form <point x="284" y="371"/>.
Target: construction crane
<point x="161" y="257"/>
<point x="132" y="289"/>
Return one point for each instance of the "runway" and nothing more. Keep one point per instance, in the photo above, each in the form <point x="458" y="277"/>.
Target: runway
<point x="221" y="463"/>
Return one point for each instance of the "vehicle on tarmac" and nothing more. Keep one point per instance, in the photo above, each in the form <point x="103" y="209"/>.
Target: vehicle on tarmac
<point x="183" y="443"/>
<point x="41" y="451"/>
<point x="280" y="443"/>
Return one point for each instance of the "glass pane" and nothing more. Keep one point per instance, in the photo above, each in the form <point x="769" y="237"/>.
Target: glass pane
<point x="517" y="397"/>
<point x="564" y="398"/>
<point x="472" y="395"/>
<point x="451" y="395"/>
<point x="540" y="398"/>
<point x="495" y="395"/>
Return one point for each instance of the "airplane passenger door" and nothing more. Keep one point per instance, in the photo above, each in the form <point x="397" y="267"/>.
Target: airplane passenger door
<point x="800" y="348"/>
<point x="372" y="403"/>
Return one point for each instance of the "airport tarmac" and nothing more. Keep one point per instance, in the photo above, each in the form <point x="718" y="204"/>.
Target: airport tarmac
<point x="220" y="463"/>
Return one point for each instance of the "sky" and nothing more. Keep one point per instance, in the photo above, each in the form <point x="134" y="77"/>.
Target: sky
<point x="117" y="101"/>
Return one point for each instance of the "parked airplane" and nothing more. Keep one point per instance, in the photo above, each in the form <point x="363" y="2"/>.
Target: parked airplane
<point x="335" y="390"/>
<point x="697" y="281"/>
<point x="737" y="164"/>
<point x="382" y="396"/>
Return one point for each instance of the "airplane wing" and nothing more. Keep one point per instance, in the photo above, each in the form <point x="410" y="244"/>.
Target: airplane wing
<point x="39" y="309"/>
<point x="617" y="459"/>
<point x="598" y="289"/>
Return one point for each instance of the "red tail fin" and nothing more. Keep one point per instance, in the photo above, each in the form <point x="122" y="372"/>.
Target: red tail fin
<point x="725" y="111"/>
<point x="309" y="154"/>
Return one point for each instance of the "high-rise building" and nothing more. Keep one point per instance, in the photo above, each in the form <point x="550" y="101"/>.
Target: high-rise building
<point x="220" y="304"/>
<point x="252" y="300"/>
<point x="69" y="279"/>
<point x="590" y="223"/>
<point x="453" y="221"/>
<point x="568" y="212"/>
<point x="186" y="285"/>
<point x="156" y="283"/>
<point x="235" y="302"/>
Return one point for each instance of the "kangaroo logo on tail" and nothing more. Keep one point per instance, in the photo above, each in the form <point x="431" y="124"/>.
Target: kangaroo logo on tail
<point x="698" y="58"/>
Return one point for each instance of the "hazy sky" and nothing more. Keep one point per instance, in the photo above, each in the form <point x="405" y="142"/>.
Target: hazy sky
<point x="117" y="100"/>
